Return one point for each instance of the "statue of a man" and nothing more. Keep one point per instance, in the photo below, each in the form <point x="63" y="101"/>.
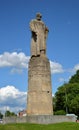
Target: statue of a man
<point x="39" y="35"/>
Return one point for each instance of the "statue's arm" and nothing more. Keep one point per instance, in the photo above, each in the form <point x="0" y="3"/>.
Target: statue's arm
<point x="46" y="31"/>
<point x="32" y="26"/>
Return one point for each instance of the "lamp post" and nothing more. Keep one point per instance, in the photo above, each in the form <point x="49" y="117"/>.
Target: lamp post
<point x="66" y="98"/>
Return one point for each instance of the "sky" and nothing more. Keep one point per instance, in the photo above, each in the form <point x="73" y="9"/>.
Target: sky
<point x="62" y="19"/>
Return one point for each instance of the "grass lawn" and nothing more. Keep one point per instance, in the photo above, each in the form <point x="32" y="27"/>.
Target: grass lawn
<point x="58" y="126"/>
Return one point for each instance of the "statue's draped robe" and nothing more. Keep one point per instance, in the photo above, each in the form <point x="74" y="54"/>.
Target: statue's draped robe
<point x="39" y="34"/>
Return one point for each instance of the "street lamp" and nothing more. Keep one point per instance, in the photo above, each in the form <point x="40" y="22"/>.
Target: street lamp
<point x="66" y="98"/>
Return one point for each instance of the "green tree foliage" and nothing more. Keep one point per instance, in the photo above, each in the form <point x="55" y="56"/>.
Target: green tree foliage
<point x="75" y="78"/>
<point x="8" y="113"/>
<point x="67" y="96"/>
<point x="60" y="112"/>
<point x="1" y="115"/>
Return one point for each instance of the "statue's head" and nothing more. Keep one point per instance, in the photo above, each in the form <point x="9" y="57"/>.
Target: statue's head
<point x="38" y="16"/>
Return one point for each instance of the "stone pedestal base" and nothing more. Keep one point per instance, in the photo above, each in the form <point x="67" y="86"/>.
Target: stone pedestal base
<point x="39" y="99"/>
<point x="39" y="119"/>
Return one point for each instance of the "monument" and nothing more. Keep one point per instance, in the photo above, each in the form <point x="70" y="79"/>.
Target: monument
<point x="39" y="97"/>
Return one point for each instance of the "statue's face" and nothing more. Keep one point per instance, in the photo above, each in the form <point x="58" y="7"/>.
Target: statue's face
<point x="38" y="16"/>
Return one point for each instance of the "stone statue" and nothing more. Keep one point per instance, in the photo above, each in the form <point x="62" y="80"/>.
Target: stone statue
<point x="39" y="96"/>
<point x="39" y="35"/>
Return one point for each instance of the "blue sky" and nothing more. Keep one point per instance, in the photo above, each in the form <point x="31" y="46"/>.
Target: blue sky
<point x="62" y="19"/>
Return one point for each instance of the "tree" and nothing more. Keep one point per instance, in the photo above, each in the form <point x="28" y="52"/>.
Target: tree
<point x="67" y="96"/>
<point x="8" y="113"/>
<point x="75" y="78"/>
<point x="60" y="99"/>
<point x="60" y="112"/>
<point x="1" y="115"/>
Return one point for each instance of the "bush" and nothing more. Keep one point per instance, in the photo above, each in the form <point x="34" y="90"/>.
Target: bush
<point x="60" y="112"/>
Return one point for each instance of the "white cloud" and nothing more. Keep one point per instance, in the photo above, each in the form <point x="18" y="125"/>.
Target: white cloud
<point x="56" y="67"/>
<point x="76" y="67"/>
<point x="61" y="80"/>
<point x="16" y="70"/>
<point x="11" y="98"/>
<point x="19" y="61"/>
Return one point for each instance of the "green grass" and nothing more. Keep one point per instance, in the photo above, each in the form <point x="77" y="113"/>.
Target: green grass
<point x="58" y="126"/>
